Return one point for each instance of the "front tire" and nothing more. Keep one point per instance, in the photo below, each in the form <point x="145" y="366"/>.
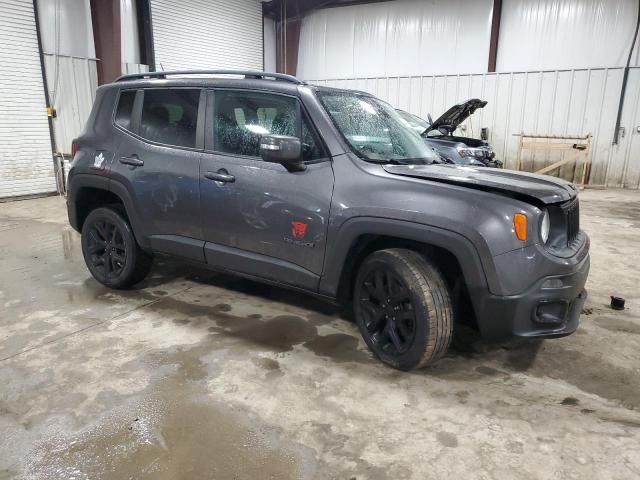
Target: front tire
<point x="403" y="308"/>
<point x="110" y="250"/>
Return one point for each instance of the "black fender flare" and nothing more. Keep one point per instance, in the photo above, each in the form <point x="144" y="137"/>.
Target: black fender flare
<point x="476" y="274"/>
<point x="83" y="180"/>
<point x="76" y="183"/>
<point x="132" y="212"/>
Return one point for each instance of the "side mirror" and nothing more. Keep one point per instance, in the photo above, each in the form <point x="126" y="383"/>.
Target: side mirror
<point x="429" y="118"/>
<point x="284" y="150"/>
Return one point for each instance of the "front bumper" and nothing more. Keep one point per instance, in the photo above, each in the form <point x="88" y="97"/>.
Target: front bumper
<point x="549" y="308"/>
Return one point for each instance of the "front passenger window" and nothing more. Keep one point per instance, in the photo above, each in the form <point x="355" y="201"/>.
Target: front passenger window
<point x="241" y="118"/>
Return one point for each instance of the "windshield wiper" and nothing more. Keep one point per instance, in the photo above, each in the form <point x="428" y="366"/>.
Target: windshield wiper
<point x="394" y="161"/>
<point x="409" y="161"/>
<point x="389" y="161"/>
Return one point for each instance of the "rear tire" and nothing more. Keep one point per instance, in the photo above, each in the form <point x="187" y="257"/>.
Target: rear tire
<point x="403" y="308"/>
<point x="110" y="250"/>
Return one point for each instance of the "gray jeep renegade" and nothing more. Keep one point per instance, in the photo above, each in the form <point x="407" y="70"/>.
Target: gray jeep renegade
<point x="325" y="191"/>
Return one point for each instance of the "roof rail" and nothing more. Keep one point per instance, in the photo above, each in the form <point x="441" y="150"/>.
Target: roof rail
<point x="247" y="74"/>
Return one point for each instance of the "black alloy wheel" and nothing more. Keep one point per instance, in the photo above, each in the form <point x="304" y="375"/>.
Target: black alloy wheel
<point x="402" y="307"/>
<point x="389" y="315"/>
<point x="107" y="248"/>
<point x="110" y="250"/>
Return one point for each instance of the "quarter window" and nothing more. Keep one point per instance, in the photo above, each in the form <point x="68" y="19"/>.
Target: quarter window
<point x="241" y="118"/>
<point x="169" y="116"/>
<point x="125" y="107"/>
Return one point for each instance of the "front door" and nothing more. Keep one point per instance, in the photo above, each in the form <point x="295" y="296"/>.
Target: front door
<point x="158" y="162"/>
<point x="258" y="218"/>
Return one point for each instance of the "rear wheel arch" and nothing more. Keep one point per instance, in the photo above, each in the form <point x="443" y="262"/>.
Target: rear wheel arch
<point x="88" y="192"/>
<point x="88" y="198"/>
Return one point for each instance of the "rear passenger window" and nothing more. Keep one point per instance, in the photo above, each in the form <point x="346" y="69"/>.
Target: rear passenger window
<point x="125" y="106"/>
<point x="241" y="118"/>
<point x="169" y="116"/>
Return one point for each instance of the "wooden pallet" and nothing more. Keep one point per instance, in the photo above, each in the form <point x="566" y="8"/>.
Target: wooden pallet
<point x="579" y="145"/>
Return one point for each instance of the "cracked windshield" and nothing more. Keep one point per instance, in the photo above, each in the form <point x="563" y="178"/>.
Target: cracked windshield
<point x="374" y="130"/>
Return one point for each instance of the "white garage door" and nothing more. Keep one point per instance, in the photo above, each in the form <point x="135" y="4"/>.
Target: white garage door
<point x="26" y="165"/>
<point x="207" y="34"/>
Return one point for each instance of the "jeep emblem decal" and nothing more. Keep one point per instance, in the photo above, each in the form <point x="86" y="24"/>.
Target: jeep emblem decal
<point x="98" y="161"/>
<point x="298" y="229"/>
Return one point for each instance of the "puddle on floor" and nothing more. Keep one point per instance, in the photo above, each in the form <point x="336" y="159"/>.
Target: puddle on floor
<point x="157" y="440"/>
<point x="174" y="430"/>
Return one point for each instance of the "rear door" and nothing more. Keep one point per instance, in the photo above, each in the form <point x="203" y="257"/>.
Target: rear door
<point x="261" y="219"/>
<point x="158" y="164"/>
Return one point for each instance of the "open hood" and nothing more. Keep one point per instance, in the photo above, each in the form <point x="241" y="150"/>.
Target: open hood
<point x="539" y="188"/>
<point x="456" y="115"/>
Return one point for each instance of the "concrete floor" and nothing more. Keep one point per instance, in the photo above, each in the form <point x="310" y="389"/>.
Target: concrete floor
<point x="199" y="375"/>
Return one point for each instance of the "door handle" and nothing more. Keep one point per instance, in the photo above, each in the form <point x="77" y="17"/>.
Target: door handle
<point x="133" y="160"/>
<point x="220" y="176"/>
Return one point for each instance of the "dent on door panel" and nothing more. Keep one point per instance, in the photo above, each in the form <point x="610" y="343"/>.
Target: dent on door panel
<point x="278" y="215"/>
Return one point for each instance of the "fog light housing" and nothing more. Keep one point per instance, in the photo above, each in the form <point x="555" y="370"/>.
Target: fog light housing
<point x="552" y="312"/>
<point x="553" y="283"/>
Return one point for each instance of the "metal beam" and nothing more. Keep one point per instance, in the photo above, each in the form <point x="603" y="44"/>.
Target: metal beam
<point x="105" y="18"/>
<point x="145" y="34"/>
<point x="495" y="33"/>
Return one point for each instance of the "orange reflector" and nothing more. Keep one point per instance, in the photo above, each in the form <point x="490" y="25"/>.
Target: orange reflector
<point x="520" y="225"/>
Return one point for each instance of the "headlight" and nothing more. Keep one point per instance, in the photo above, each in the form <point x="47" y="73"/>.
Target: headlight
<point x="473" y="152"/>
<point x="544" y="227"/>
<point x="466" y="152"/>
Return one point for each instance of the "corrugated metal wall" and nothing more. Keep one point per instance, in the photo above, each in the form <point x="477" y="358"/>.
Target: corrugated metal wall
<point x="551" y="34"/>
<point x="403" y="37"/>
<point x="443" y="37"/>
<point x="206" y="34"/>
<point x="551" y="102"/>
<point x="26" y="163"/>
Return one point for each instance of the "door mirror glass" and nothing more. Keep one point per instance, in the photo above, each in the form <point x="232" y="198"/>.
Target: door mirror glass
<point x="282" y="149"/>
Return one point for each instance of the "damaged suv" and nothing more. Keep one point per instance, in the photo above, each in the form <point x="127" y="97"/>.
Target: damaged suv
<point x="452" y="148"/>
<point x="328" y="192"/>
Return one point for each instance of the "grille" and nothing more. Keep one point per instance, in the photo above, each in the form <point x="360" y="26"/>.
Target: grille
<point x="572" y="213"/>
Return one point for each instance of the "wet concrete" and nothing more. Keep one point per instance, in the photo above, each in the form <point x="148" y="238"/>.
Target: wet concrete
<point x="199" y="375"/>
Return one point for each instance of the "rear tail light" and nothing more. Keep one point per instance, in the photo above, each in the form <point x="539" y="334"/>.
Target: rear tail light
<point x="74" y="149"/>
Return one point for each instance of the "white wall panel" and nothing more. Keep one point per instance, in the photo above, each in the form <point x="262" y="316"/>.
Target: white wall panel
<point x="70" y="64"/>
<point x="130" y="42"/>
<point x="403" y="37"/>
<point x="207" y="34"/>
<point x="65" y="27"/>
<point x="72" y="86"/>
<point x="565" y="34"/>
<point x="26" y="163"/>
<point x="577" y="102"/>
<point x="269" y="44"/>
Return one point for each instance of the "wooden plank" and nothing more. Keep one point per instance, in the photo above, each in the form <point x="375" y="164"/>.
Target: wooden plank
<point x="554" y="137"/>
<point x="519" y="157"/>
<point x="553" y="166"/>
<point x="548" y="146"/>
